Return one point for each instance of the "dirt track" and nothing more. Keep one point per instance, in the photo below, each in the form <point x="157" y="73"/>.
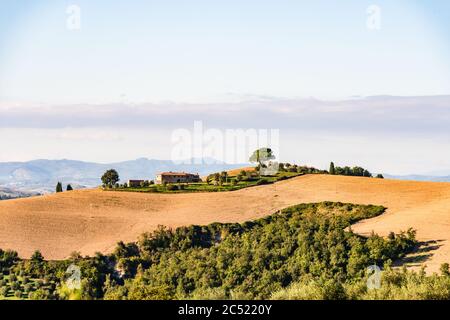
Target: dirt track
<point x="93" y="220"/>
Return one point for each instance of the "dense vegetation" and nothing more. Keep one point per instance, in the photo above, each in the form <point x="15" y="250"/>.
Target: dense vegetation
<point x="287" y="167"/>
<point x="255" y="259"/>
<point x="333" y="170"/>
<point x="395" y="285"/>
<point x="347" y="171"/>
<point x="306" y="251"/>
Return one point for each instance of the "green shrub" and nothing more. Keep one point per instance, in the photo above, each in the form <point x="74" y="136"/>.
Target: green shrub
<point x="4" y="291"/>
<point x="172" y="187"/>
<point x="262" y="182"/>
<point x="15" y="286"/>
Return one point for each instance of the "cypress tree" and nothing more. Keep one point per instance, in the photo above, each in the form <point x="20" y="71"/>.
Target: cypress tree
<point x="332" y="169"/>
<point x="59" y="187"/>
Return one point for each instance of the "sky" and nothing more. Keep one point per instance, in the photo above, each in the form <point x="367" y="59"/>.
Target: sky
<point x="111" y="80"/>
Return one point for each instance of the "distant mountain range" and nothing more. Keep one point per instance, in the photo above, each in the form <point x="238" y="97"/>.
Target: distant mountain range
<point x="41" y="176"/>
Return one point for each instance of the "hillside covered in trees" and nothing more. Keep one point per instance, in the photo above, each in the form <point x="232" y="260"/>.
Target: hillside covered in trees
<point x="306" y="245"/>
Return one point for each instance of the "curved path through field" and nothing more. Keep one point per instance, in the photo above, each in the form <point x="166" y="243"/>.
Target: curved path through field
<point x="94" y="220"/>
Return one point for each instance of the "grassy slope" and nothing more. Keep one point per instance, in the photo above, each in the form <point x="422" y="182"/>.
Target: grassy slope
<point x="204" y="187"/>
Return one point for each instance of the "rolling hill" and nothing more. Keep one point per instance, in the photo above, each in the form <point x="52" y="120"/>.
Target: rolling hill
<point x="93" y="220"/>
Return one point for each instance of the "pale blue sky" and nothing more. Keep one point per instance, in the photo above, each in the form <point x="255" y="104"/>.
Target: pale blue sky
<point x="106" y="92"/>
<point x="206" y="50"/>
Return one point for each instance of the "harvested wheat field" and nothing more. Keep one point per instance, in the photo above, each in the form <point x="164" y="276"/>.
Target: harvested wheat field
<point x="95" y="220"/>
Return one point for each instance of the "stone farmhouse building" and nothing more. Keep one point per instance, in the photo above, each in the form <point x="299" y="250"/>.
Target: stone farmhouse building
<point x="176" y="177"/>
<point x="134" y="183"/>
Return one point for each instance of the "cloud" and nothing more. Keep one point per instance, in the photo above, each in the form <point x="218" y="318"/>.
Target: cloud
<point x="398" y="135"/>
<point x="107" y="134"/>
<point x="383" y="114"/>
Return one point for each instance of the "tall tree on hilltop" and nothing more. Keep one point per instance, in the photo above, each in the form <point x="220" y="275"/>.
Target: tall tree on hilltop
<point x="261" y="155"/>
<point x="59" y="187"/>
<point x="224" y="176"/>
<point x="332" y="169"/>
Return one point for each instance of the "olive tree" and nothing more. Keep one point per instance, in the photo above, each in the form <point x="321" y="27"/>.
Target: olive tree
<point x="110" y="177"/>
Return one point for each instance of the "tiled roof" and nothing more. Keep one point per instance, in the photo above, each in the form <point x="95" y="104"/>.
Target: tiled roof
<point x="176" y="174"/>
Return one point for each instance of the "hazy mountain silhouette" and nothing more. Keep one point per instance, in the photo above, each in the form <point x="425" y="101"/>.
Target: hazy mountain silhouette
<point x="42" y="175"/>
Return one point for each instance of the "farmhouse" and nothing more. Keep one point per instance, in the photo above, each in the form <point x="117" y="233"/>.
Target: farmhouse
<point x="135" y="183"/>
<point x="176" y="177"/>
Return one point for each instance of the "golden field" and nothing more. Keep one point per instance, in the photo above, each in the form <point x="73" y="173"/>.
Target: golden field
<point x="94" y="220"/>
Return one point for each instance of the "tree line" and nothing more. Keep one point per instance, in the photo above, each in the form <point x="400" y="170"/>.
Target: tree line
<point x="348" y="171"/>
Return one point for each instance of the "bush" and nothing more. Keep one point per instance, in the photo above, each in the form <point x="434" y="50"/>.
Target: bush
<point x="261" y="182"/>
<point x="15" y="285"/>
<point x="312" y="290"/>
<point x="40" y="294"/>
<point x="27" y="288"/>
<point x="172" y="187"/>
<point x="4" y="291"/>
<point x="445" y="269"/>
